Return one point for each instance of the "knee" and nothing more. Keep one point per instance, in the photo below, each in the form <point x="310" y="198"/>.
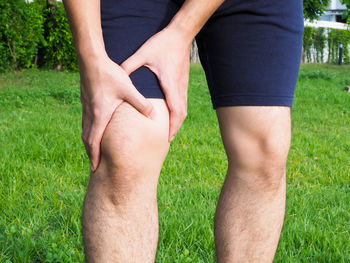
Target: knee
<point x="262" y="159"/>
<point x="273" y="159"/>
<point x="133" y="145"/>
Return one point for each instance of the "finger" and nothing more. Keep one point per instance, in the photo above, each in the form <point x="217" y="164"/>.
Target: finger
<point x="177" y="114"/>
<point x="139" y="102"/>
<point x="94" y="140"/>
<point x="177" y="106"/>
<point x="133" y="62"/>
<point x="176" y="119"/>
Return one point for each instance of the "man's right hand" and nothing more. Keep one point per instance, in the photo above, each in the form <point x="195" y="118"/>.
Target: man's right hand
<point x="104" y="86"/>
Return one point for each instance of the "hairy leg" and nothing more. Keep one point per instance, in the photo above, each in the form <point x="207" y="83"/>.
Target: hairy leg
<point x="120" y="215"/>
<point x="250" y="211"/>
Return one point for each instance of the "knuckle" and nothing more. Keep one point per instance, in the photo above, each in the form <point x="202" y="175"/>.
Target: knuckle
<point x="173" y="104"/>
<point x="140" y="56"/>
<point x="180" y="113"/>
<point x="91" y="142"/>
<point x="148" y="108"/>
<point x="171" y="107"/>
<point x="124" y="65"/>
<point x="96" y="113"/>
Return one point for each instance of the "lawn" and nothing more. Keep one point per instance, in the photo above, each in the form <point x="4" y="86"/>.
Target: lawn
<point x="44" y="171"/>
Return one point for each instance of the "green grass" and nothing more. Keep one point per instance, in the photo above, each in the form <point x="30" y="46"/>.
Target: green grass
<point x="44" y="172"/>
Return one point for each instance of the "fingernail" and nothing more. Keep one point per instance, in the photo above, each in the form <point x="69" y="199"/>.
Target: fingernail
<point x="172" y="138"/>
<point x="92" y="168"/>
<point x="152" y="114"/>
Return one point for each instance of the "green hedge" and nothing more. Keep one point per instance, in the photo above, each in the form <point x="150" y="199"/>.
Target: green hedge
<point x="58" y="50"/>
<point x="316" y="40"/>
<point x="32" y="35"/>
<point x="21" y="31"/>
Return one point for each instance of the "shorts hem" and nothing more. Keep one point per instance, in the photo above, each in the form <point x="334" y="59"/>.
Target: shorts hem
<point x="252" y="101"/>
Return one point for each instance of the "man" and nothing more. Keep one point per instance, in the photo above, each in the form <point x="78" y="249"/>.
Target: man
<point x="250" y="51"/>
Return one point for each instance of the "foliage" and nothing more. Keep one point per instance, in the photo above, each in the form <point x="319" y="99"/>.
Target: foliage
<point x="316" y="74"/>
<point x="31" y="34"/>
<point x="335" y="36"/>
<point x="320" y="44"/>
<point x="314" y="8"/>
<point x="5" y="58"/>
<point x="347" y="12"/>
<point x="316" y="40"/>
<point x="314" y="43"/>
<point x="21" y="28"/>
<point x="58" y="50"/>
<point x="308" y="38"/>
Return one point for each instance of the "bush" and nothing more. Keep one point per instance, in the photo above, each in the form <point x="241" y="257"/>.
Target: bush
<point x="319" y="44"/>
<point x="317" y="40"/>
<point x="308" y="38"/>
<point x="31" y="34"/>
<point x="335" y="36"/>
<point x="21" y="32"/>
<point x="317" y="74"/>
<point x="5" y="58"/>
<point x="58" y="50"/>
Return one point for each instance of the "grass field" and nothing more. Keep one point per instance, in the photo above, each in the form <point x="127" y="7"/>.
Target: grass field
<point x="44" y="172"/>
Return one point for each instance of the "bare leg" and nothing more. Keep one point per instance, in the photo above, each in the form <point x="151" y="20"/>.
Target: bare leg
<point x="251" y="208"/>
<point x="120" y="216"/>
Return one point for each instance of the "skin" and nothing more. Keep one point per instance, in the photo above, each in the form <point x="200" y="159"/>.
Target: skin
<point x="104" y="85"/>
<point x="127" y="138"/>
<point x="251" y="207"/>
<point x="120" y="216"/>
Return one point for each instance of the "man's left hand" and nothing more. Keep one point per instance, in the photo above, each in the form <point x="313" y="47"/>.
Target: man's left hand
<point x="167" y="54"/>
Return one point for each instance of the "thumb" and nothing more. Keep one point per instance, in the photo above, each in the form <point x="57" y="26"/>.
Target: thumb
<point x="139" y="102"/>
<point x="94" y="141"/>
<point x="133" y="62"/>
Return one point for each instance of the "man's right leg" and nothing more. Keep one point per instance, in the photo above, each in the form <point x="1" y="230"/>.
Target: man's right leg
<point x="120" y="216"/>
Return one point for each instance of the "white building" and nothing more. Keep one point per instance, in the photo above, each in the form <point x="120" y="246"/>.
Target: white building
<point x="334" y="13"/>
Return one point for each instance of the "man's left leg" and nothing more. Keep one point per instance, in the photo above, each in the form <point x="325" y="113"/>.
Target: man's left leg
<point x="250" y="211"/>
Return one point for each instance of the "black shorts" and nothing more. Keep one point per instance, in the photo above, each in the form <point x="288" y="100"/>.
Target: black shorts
<point x="250" y="49"/>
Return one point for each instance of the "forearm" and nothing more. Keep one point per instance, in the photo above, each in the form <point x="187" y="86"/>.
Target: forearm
<point x="193" y="15"/>
<point x="85" y="22"/>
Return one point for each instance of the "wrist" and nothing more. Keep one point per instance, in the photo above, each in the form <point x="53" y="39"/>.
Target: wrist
<point x="181" y="28"/>
<point x="90" y="52"/>
<point x="90" y="57"/>
<point x="89" y="45"/>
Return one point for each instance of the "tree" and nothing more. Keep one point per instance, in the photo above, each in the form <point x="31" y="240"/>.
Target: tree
<point x="347" y="12"/>
<point x="314" y="8"/>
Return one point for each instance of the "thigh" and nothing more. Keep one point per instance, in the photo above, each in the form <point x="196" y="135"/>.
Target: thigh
<point x="255" y="134"/>
<point x="251" y="52"/>
<point x="133" y="146"/>
<point x="126" y="25"/>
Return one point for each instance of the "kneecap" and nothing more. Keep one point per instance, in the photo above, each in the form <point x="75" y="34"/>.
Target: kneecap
<point x="132" y="141"/>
